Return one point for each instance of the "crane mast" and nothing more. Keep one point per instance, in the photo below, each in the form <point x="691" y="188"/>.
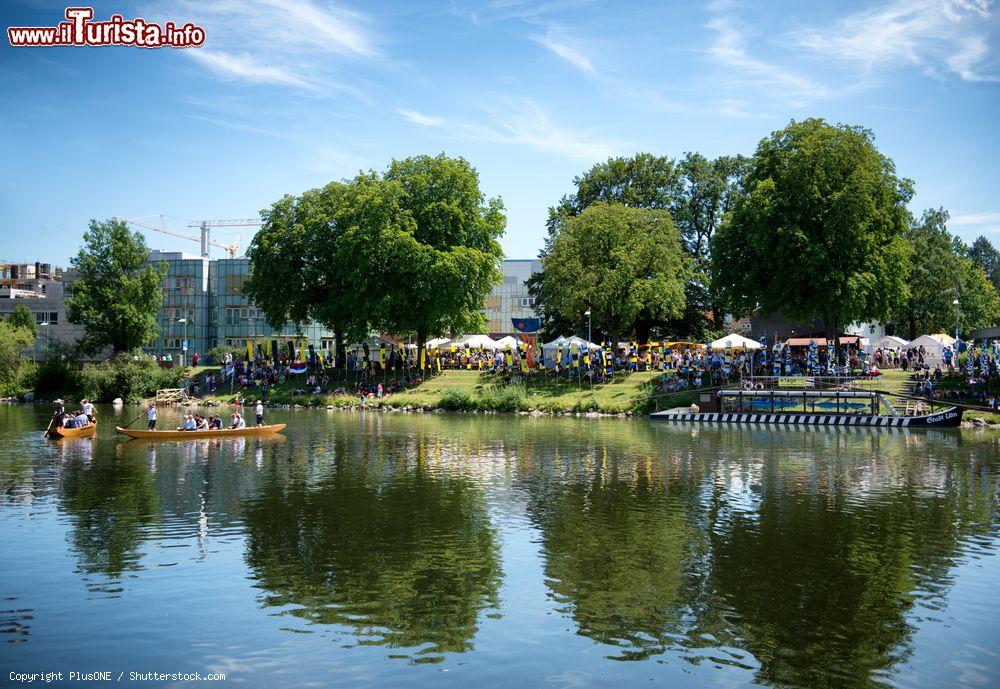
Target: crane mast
<point x="205" y="239"/>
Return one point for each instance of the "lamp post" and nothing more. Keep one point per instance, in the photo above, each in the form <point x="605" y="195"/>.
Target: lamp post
<point x="183" y="338"/>
<point x="955" y="304"/>
<point x="45" y="324"/>
<point x="587" y="314"/>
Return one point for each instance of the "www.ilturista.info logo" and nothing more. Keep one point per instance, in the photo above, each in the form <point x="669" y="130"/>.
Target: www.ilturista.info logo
<point x="78" y="30"/>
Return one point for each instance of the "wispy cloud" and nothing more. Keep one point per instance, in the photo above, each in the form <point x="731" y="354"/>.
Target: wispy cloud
<point x="730" y="50"/>
<point x="247" y="68"/>
<point x="290" y="43"/>
<point x="977" y="223"/>
<point x="560" y="45"/>
<point x="941" y="36"/>
<point x="522" y="123"/>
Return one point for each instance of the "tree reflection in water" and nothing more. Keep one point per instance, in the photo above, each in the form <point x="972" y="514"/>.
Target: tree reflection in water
<point x="406" y="558"/>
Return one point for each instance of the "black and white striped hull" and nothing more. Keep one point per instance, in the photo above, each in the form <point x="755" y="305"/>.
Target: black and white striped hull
<point x="950" y="417"/>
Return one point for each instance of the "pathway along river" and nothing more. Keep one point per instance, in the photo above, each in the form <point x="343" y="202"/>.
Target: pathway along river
<point x="432" y="550"/>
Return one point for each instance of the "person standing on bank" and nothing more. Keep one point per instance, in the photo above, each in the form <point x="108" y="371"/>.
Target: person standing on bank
<point x="151" y="416"/>
<point x="260" y="413"/>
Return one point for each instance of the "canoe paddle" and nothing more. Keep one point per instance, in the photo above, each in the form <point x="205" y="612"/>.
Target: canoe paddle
<point x="135" y="419"/>
<point x="46" y="431"/>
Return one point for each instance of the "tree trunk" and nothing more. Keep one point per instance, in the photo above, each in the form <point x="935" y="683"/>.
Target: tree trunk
<point x="339" y="358"/>
<point x="421" y="350"/>
<point x="642" y="328"/>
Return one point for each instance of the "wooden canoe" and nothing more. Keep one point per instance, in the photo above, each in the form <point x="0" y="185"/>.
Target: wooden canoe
<point x="85" y="432"/>
<point x="146" y="434"/>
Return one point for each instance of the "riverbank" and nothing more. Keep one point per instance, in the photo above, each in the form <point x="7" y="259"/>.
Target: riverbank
<point x="483" y="392"/>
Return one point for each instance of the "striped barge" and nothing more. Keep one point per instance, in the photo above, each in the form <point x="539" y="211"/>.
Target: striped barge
<point x="809" y="408"/>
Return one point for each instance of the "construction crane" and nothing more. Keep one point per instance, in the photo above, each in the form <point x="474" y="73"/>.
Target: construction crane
<point x="233" y="249"/>
<point x="205" y="226"/>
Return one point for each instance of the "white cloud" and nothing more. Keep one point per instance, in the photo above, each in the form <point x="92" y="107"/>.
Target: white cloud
<point x="292" y="43"/>
<point x="730" y="50"/>
<point x="523" y="123"/>
<point x="937" y="35"/>
<point x="419" y="118"/>
<point x="971" y="224"/>
<point x="247" y="68"/>
<point x="560" y="46"/>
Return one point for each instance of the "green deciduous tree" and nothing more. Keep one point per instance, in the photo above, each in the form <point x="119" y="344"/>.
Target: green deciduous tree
<point x="306" y="263"/>
<point x="819" y="231"/>
<point x="619" y="262"/>
<point x="933" y="277"/>
<point x="118" y="293"/>
<point x="986" y="257"/>
<point x="979" y="301"/>
<point x="13" y="342"/>
<point x="22" y="317"/>
<point x="442" y="254"/>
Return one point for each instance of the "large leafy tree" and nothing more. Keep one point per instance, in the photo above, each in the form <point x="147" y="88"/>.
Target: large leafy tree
<point x="933" y="276"/>
<point x="618" y="262"/>
<point x="305" y="262"/>
<point x="118" y="292"/>
<point x="440" y="255"/>
<point x="819" y="231"/>
<point x="987" y="257"/>
<point x="21" y="317"/>
<point x="709" y="191"/>
<point x="979" y="301"/>
<point x="643" y="181"/>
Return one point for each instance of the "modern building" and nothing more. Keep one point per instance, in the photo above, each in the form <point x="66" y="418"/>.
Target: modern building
<point x="510" y="299"/>
<point x="41" y="288"/>
<point x="204" y="306"/>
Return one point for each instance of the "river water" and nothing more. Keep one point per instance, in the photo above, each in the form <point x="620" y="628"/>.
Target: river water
<point x="392" y="550"/>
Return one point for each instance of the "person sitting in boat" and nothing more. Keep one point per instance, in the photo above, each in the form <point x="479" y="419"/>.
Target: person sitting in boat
<point x="82" y="420"/>
<point x="189" y="423"/>
<point x="201" y="423"/>
<point x="216" y="422"/>
<point x="237" y="420"/>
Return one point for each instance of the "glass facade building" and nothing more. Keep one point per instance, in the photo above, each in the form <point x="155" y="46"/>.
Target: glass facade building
<point x="208" y="295"/>
<point x="510" y="299"/>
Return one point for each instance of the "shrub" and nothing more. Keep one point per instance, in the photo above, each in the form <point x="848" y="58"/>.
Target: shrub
<point x="456" y="399"/>
<point x="55" y="374"/>
<point x="509" y="398"/>
<point x="130" y="378"/>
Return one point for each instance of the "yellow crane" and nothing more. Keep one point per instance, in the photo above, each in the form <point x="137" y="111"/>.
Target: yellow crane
<point x="205" y="225"/>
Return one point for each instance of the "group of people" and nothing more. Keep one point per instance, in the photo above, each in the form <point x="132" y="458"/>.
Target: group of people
<point x="197" y="422"/>
<point x="80" y="418"/>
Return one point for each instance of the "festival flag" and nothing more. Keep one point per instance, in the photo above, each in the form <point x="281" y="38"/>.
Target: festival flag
<point x="297" y="367"/>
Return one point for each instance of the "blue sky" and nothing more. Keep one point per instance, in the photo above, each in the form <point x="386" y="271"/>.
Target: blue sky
<point x="286" y="95"/>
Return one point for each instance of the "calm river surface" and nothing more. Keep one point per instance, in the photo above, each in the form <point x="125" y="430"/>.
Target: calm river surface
<point x="391" y="550"/>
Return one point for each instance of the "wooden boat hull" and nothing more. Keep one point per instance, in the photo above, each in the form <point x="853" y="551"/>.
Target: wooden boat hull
<point x="86" y="432"/>
<point x="146" y="434"/>
<point x="948" y="418"/>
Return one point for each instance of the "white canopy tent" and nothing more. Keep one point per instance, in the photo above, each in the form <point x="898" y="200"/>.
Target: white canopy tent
<point x="736" y="341"/>
<point x="889" y="342"/>
<point x="507" y="342"/>
<point x="934" y="345"/>
<point x="551" y="349"/>
<point x="437" y="342"/>
<point x="475" y="342"/>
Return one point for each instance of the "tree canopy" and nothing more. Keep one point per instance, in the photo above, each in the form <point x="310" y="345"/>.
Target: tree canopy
<point x="819" y="231"/>
<point x="118" y="293"/>
<point x="986" y="256"/>
<point x="21" y="317"/>
<point x="619" y="263"/>
<point x="933" y="277"/>
<point x="415" y="250"/>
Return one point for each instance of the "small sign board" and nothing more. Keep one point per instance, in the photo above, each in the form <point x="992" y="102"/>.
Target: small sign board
<point x="184" y="345"/>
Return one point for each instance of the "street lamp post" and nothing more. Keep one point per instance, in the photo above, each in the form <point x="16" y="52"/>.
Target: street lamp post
<point x="589" y="335"/>
<point x="955" y="304"/>
<point x="45" y="325"/>
<point x="183" y="338"/>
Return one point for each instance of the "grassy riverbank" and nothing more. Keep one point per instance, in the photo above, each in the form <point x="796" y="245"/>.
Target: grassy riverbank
<point x="480" y="391"/>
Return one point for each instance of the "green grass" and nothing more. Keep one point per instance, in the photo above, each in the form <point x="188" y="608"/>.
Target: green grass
<point x="476" y="390"/>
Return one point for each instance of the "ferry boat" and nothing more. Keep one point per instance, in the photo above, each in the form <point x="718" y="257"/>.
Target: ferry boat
<point x="837" y="407"/>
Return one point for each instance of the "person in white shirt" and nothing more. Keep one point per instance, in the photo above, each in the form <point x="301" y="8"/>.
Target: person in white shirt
<point x="238" y="421"/>
<point x="88" y="409"/>
<point x="190" y="424"/>
<point x="151" y="416"/>
<point x="259" y="409"/>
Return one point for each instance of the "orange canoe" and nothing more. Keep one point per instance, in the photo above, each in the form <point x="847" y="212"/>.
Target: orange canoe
<point x="194" y="435"/>
<point x="85" y="432"/>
